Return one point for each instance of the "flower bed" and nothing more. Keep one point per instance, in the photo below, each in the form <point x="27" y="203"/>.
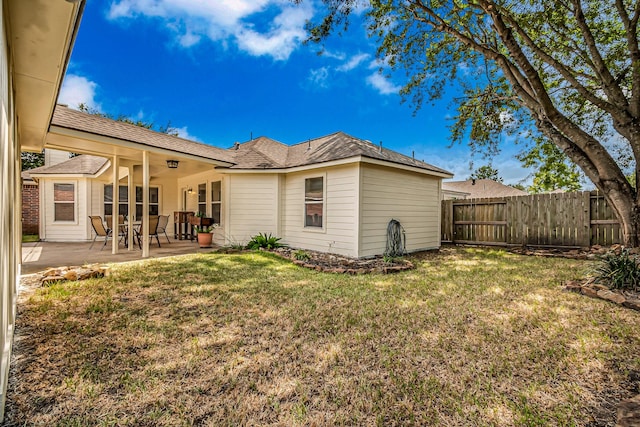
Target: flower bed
<point x="332" y="263"/>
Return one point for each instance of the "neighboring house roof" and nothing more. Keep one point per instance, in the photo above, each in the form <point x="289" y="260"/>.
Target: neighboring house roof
<point x="260" y="153"/>
<point x="482" y="188"/>
<point x="83" y="164"/>
<point x="72" y="119"/>
<point x="265" y="153"/>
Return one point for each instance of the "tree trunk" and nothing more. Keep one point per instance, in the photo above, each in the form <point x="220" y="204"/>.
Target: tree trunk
<point x="628" y="215"/>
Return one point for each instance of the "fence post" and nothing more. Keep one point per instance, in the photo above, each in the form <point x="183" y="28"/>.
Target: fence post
<point x="585" y="240"/>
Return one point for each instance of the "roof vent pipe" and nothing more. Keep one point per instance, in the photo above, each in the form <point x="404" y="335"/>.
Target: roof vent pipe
<point x="309" y="145"/>
<point x="236" y="145"/>
<point x="380" y="147"/>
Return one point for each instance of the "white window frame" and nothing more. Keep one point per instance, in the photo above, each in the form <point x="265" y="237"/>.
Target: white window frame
<point x="206" y="197"/>
<point x="75" y="202"/>
<point x="215" y="202"/>
<point x="311" y="228"/>
<point x="136" y="204"/>
<point x="120" y="201"/>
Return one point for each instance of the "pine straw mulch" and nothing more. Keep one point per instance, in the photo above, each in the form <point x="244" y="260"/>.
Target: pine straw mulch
<point x="469" y="337"/>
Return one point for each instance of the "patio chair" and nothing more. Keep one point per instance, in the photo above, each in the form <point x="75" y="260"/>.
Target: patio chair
<point x="122" y="227"/>
<point x="100" y="230"/>
<point x="163" y="220"/>
<point x="153" y="230"/>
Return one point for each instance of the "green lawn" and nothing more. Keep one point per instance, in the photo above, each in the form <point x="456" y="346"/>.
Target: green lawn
<point x="470" y="337"/>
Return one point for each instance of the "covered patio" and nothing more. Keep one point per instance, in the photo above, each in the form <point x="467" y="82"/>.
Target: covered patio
<point x="39" y="256"/>
<point x="137" y="159"/>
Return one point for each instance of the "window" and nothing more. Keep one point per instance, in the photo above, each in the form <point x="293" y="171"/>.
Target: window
<point x="216" y="201"/>
<point x="202" y="198"/>
<point x="154" y="202"/>
<point x="313" y="202"/>
<point x="64" y="202"/>
<point x="123" y="200"/>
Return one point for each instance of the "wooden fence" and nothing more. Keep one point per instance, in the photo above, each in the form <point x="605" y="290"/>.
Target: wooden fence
<point x="548" y="220"/>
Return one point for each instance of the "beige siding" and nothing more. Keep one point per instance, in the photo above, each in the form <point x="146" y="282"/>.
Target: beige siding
<point x="253" y="202"/>
<point x="53" y="157"/>
<point x="339" y="234"/>
<point x="411" y="198"/>
<point x="10" y="229"/>
<point x="72" y="231"/>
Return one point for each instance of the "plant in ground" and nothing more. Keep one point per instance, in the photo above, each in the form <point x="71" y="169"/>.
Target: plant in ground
<point x="619" y="271"/>
<point x="301" y="255"/>
<point x="264" y="241"/>
<point x="391" y="259"/>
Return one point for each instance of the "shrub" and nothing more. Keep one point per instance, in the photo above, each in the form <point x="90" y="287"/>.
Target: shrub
<point x="264" y="241"/>
<point x="301" y="255"/>
<point x="619" y="271"/>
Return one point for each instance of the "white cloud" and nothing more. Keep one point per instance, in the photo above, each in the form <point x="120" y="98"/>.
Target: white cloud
<point x="353" y="62"/>
<point x="226" y="20"/>
<point x="184" y="133"/>
<point x="319" y="77"/>
<point x="78" y="90"/>
<point x="382" y="85"/>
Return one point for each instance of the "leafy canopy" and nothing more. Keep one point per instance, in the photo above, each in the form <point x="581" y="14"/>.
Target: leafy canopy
<point x="563" y="71"/>
<point x="486" y="172"/>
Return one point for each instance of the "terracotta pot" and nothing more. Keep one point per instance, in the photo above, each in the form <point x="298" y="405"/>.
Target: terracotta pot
<point x="205" y="240"/>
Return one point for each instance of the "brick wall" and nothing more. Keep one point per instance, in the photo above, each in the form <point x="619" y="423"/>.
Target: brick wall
<point x="30" y="209"/>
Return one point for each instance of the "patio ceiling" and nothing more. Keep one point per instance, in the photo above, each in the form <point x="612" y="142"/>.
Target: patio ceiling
<point x="129" y="153"/>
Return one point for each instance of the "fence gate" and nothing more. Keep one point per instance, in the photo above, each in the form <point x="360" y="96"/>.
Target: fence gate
<point x="554" y="220"/>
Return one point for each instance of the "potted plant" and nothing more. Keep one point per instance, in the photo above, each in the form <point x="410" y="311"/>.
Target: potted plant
<point x="205" y="235"/>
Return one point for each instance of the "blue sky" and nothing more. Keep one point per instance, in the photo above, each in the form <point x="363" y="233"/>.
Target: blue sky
<point x="223" y="70"/>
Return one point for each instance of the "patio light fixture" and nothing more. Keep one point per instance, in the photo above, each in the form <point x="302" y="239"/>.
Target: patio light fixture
<point x="172" y="164"/>
<point x="190" y="190"/>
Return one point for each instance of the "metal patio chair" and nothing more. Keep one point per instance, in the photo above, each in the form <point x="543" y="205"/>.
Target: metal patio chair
<point x="163" y="220"/>
<point x="100" y="230"/>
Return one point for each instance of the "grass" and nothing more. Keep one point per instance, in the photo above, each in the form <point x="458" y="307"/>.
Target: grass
<point x="470" y="337"/>
<point x="30" y="238"/>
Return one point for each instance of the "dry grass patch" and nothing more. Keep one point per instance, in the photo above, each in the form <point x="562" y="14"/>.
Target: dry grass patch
<point x="470" y="337"/>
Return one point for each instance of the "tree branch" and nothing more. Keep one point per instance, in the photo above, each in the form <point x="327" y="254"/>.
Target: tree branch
<point x="609" y="85"/>
<point x="631" y="28"/>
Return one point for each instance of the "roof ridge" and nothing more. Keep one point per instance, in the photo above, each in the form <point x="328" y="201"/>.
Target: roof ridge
<point x="319" y="137"/>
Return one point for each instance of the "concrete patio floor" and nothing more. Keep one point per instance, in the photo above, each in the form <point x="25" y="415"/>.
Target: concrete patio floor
<point x="39" y="256"/>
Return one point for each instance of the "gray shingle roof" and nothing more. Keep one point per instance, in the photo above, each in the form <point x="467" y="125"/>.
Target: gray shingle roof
<point x="72" y="119"/>
<point x="84" y="164"/>
<point x="482" y="188"/>
<point x="260" y="153"/>
<point x="265" y="153"/>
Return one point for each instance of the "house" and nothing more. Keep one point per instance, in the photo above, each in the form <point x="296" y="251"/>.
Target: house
<point x="478" y="189"/>
<point x="333" y="194"/>
<point x="36" y="43"/>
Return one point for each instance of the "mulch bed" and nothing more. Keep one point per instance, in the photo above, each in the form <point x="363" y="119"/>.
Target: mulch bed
<point x="332" y="263"/>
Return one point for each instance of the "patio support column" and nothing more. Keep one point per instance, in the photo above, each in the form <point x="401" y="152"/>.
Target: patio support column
<point x="131" y="209"/>
<point x="145" y="204"/>
<point x="115" y="212"/>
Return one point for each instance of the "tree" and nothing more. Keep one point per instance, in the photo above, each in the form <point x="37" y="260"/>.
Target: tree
<point x="168" y="129"/>
<point x="486" y="172"/>
<point x="30" y="160"/>
<point x="567" y="71"/>
<point x="553" y="171"/>
<point x="519" y="186"/>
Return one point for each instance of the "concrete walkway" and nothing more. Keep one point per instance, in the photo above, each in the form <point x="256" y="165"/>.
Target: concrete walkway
<point x="41" y="255"/>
